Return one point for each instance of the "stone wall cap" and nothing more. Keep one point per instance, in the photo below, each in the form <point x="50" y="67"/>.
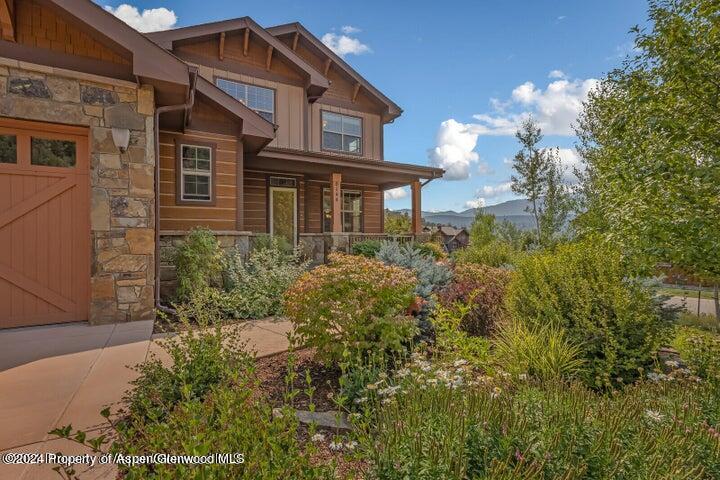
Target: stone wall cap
<point x="182" y="233"/>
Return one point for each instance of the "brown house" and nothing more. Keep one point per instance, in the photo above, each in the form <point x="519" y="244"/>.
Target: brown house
<point x="114" y="144"/>
<point x="452" y="238"/>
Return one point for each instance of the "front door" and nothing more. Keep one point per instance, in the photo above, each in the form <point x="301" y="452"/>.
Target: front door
<point x="283" y="213"/>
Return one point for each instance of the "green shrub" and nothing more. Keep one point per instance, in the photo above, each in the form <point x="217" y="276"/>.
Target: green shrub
<point x="493" y="254"/>
<point x="366" y="248"/>
<point x="543" y="353"/>
<point x="584" y="289"/>
<point x="198" y="263"/>
<point x="353" y="306"/>
<point x="700" y="350"/>
<point x="482" y="288"/>
<point x="206" y="402"/>
<point x="201" y="359"/>
<point x="704" y="321"/>
<point x="451" y="341"/>
<point x="255" y="285"/>
<point x="436" y="423"/>
<point x="432" y="249"/>
<point x="271" y="242"/>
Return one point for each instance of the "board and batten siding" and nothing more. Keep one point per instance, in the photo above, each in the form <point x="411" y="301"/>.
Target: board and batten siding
<point x="221" y="215"/>
<point x="371" y="126"/>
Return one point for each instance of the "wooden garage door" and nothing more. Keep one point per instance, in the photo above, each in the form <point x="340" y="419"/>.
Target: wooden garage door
<point x="44" y="224"/>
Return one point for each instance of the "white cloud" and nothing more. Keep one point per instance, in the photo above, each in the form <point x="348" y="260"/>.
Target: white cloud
<point x="557" y="74"/>
<point x="475" y="203"/>
<point x="349" y="29"/>
<point x="150" y="20"/>
<point x="344" y="45"/>
<point x="556" y="108"/>
<point x="490" y="191"/>
<point x="454" y="150"/>
<point x="570" y="160"/>
<point x="484" y="168"/>
<point x="396" y="193"/>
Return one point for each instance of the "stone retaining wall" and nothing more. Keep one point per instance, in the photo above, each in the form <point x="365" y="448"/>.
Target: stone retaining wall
<point x="122" y="185"/>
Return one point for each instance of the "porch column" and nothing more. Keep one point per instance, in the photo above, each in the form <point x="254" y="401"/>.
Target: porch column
<point x="336" y="199"/>
<point x="416" y="208"/>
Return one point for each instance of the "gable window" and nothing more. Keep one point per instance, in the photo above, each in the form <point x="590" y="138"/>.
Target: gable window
<point x="195" y="173"/>
<point x="350" y="211"/>
<point x="341" y="133"/>
<point x="260" y="99"/>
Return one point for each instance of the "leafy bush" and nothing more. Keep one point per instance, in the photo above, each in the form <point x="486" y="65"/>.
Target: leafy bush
<point x="544" y="353"/>
<point x="482" y="288"/>
<point x="352" y="306"/>
<point x="206" y="403"/>
<point x="704" y="321"/>
<point x="433" y="423"/>
<point x="198" y="263"/>
<point x="271" y="242"/>
<point x="256" y="285"/>
<point x="493" y="254"/>
<point x="432" y="249"/>
<point x="451" y="341"/>
<point x="700" y="350"/>
<point x="366" y="248"/>
<point x="584" y="288"/>
<point x="200" y="358"/>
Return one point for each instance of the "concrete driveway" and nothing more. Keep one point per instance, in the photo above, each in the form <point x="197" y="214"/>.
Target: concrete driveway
<point x="57" y="375"/>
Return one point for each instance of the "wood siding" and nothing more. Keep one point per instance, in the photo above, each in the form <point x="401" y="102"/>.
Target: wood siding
<point x="222" y="215"/>
<point x="39" y="26"/>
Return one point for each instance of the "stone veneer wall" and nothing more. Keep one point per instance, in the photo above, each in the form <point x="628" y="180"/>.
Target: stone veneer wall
<point x="122" y="203"/>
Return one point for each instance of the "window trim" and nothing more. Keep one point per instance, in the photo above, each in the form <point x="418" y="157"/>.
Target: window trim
<point x="179" y="200"/>
<point x="344" y="152"/>
<point x="342" y="193"/>
<point x="274" y="90"/>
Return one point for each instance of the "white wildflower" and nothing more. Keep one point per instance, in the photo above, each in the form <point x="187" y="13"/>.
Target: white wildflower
<point x="360" y="400"/>
<point x="460" y="363"/>
<point x="351" y="445"/>
<point x="654" y="415"/>
<point x="523" y="376"/>
<point x="318" y="437"/>
<point x="336" y="446"/>
<point x="672" y="363"/>
<point x="403" y="372"/>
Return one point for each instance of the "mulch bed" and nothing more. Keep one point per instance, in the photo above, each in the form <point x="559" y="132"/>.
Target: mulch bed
<point x="272" y="373"/>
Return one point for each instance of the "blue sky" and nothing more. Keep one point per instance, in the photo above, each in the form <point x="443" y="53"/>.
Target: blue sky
<point x="464" y="72"/>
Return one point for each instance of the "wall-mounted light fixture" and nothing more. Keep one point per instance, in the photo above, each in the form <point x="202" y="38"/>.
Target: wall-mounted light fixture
<point x="121" y="119"/>
<point x="121" y="138"/>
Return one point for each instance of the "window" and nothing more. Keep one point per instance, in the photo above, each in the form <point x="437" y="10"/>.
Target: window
<point x="260" y="99"/>
<point x="196" y="173"/>
<point x="8" y="149"/>
<point x="52" y="153"/>
<point x="350" y="211"/>
<point x="341" y="133"/>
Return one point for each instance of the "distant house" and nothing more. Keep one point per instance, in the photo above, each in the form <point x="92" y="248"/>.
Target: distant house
<point x="453" y="238"/>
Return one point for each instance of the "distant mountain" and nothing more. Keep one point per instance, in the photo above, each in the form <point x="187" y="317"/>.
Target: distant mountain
<point x="512" y="211"/>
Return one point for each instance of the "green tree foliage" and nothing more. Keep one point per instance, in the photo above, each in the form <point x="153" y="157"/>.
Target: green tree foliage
<point x="539" y="179"/>
<point x="397" y="223"/>
<point x="482" y="230"/>
<point x="650" y="137"/>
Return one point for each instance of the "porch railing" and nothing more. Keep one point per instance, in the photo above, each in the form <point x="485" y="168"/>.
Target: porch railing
<point x="361" y="237"/>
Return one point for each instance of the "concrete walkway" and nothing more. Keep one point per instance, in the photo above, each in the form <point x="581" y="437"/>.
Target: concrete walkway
<point x="57" y="375"/>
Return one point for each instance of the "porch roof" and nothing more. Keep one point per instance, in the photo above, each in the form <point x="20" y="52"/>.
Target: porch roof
<point x="319" y="165"/>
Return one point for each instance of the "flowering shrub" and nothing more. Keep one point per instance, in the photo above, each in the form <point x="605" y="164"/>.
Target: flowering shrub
<point x="700" y="350"/>
<point x="352" y="306"/>
<point x="482" y="288"/>
<point x="584" y="289"/>
<point x="433" y="421"/>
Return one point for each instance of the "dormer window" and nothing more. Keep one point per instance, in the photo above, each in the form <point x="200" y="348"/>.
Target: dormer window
<point x="341" y="133"/>
<point x="260" y="99"/>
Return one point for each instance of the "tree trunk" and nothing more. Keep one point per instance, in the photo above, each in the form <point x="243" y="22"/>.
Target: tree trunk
<point x="716" y="297"/>
<point x="537" y="220"/>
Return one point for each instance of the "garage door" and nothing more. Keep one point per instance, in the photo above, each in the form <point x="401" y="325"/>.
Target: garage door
<point x="44" y="224"/>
